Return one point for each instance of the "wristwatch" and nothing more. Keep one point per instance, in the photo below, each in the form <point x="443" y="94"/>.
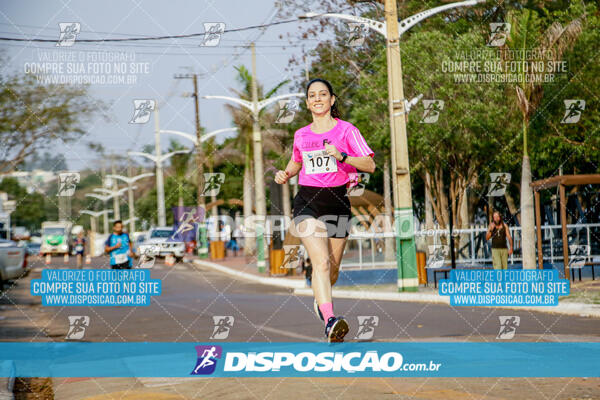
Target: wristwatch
<point x="344" y="155"/>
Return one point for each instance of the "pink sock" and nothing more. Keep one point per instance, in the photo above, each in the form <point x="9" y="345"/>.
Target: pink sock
<point x="326" y="310"/>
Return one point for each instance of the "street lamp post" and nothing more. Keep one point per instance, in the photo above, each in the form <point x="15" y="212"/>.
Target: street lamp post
<point x="130" y="181"/>
<point x="406" y="258"/>
<point x="93" y="215"/>
<point x="160" y="188"/>
<point x="261" y="207"/>
<point x="103" y="199"/>
<point x="113" y="194"/>
<point x="202" y="242"/>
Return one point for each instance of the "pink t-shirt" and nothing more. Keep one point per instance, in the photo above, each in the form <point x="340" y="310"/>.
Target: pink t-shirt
<point x="346" y="138"/>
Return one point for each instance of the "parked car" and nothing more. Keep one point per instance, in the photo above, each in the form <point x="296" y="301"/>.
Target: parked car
<point x="138" y="239"/>
<point x="33" y="249"/>
<point x="162" y="239"/>
<point x="20" y="233"/>
<point x="13" y="261"/>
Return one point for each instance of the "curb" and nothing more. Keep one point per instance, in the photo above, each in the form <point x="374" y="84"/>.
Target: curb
<point x="280" y="282"/>
<point x="300" y="289"/>
<point x="386" y="296"/>
<point x="578" y="309"/>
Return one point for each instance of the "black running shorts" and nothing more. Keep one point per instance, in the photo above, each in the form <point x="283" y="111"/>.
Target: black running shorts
<point x="125" y="265"/>
<point x="329" y="204"/>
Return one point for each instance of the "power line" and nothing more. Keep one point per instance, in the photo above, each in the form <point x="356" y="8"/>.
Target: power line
<point x="47" y="28"/>
<point x="194" y="46"/>
<point x="144" y="38"/>
<point x="183" y="53"/>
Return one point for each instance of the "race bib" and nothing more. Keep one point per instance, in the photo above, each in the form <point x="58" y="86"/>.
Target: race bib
<point x="318" y="162"/>
<point x="121" y="258"/>
<point x="79" y="247"/>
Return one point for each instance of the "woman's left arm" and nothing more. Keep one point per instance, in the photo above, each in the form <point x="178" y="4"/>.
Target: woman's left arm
<point x="365" y="163"/>
<point x="356" y="144"/>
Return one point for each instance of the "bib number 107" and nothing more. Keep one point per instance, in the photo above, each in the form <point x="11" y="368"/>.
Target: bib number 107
<point x="318" y="162"/>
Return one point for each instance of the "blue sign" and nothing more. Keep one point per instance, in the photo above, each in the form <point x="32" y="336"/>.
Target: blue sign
<point x="281" y="359"/>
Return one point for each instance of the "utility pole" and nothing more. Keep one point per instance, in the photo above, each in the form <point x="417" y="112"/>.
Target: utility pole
<point x="130" y="198"/>
<point x="406" y="257"/>
<point x="105" y="215"/>
<point x="115" y="187"/>
<point x="202" y="244"/>
<point x="199" y="150"/>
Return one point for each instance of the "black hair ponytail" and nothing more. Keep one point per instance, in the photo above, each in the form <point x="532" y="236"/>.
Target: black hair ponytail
<point x="335" y="112"/>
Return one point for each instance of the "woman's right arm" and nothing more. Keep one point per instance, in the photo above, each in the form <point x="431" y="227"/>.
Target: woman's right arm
<point x="292" y="169"/>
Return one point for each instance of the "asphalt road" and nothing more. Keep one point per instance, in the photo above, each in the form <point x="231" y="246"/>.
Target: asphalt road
<point x="191" y="296"/>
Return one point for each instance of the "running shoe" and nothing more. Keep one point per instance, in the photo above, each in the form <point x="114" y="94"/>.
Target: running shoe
<point x="318" y="310"/>
<point x="336" y="329"/>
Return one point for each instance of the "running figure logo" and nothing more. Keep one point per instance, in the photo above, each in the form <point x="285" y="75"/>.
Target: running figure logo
<point x="77" y="325"/>
<point x="287" y="111"/>
<point x="578" y="256"/>
<point x="68" y="33"/>
<point x="432" y="111"/>
<point x="212" y="183"/>
<point x="356" y="33"/>
<point x="67" y="183"/>
<point x="207" y="359"/>
<point x="498" y="184"/>
<point x="148" y="256"/>
<point x="573" y="110"/>
<point x="213" y="32"/>
<point x="291" y="259"/>
<point x="508" y="326"/>
<point x="362" y="178"/>
<point x="186" y="223"/>
<point x="223" y="324"/>
<point x="366" y="326"/>
<point x="142" y="110"/>
<point x="437" y="255"/>
<point x="499" y="31"/>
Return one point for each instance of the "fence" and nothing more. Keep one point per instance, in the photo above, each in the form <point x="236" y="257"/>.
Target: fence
<point x="367" y="250"/>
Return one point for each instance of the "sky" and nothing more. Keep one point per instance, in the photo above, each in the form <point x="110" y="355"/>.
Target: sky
<point x="149" y="67"/>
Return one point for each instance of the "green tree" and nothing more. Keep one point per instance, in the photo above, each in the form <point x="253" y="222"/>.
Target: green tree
<point x="528" y="32"/>
<point x="180" y="164"/>
<point x="33" y="116"/>
<point x="30" y="210"/>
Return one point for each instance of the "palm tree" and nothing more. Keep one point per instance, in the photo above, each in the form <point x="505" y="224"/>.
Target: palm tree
<point x="242" y="118"/>
<point x="179" y="163"/>
<point x="526" y="34"/>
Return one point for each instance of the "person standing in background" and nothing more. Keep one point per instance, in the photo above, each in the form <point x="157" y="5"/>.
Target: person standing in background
<point x="499" y="233"/>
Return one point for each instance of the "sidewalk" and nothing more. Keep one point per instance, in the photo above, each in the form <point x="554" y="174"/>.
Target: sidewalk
<point x="239" y="268"/>
<point x="244" y="268"/>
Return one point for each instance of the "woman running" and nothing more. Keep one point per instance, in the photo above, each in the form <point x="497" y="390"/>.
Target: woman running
<point x="327" y="155"/>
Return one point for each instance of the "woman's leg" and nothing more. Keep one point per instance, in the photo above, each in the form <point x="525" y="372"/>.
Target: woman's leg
<point x="336" y="250"/>
<point x="313" y="234"/>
